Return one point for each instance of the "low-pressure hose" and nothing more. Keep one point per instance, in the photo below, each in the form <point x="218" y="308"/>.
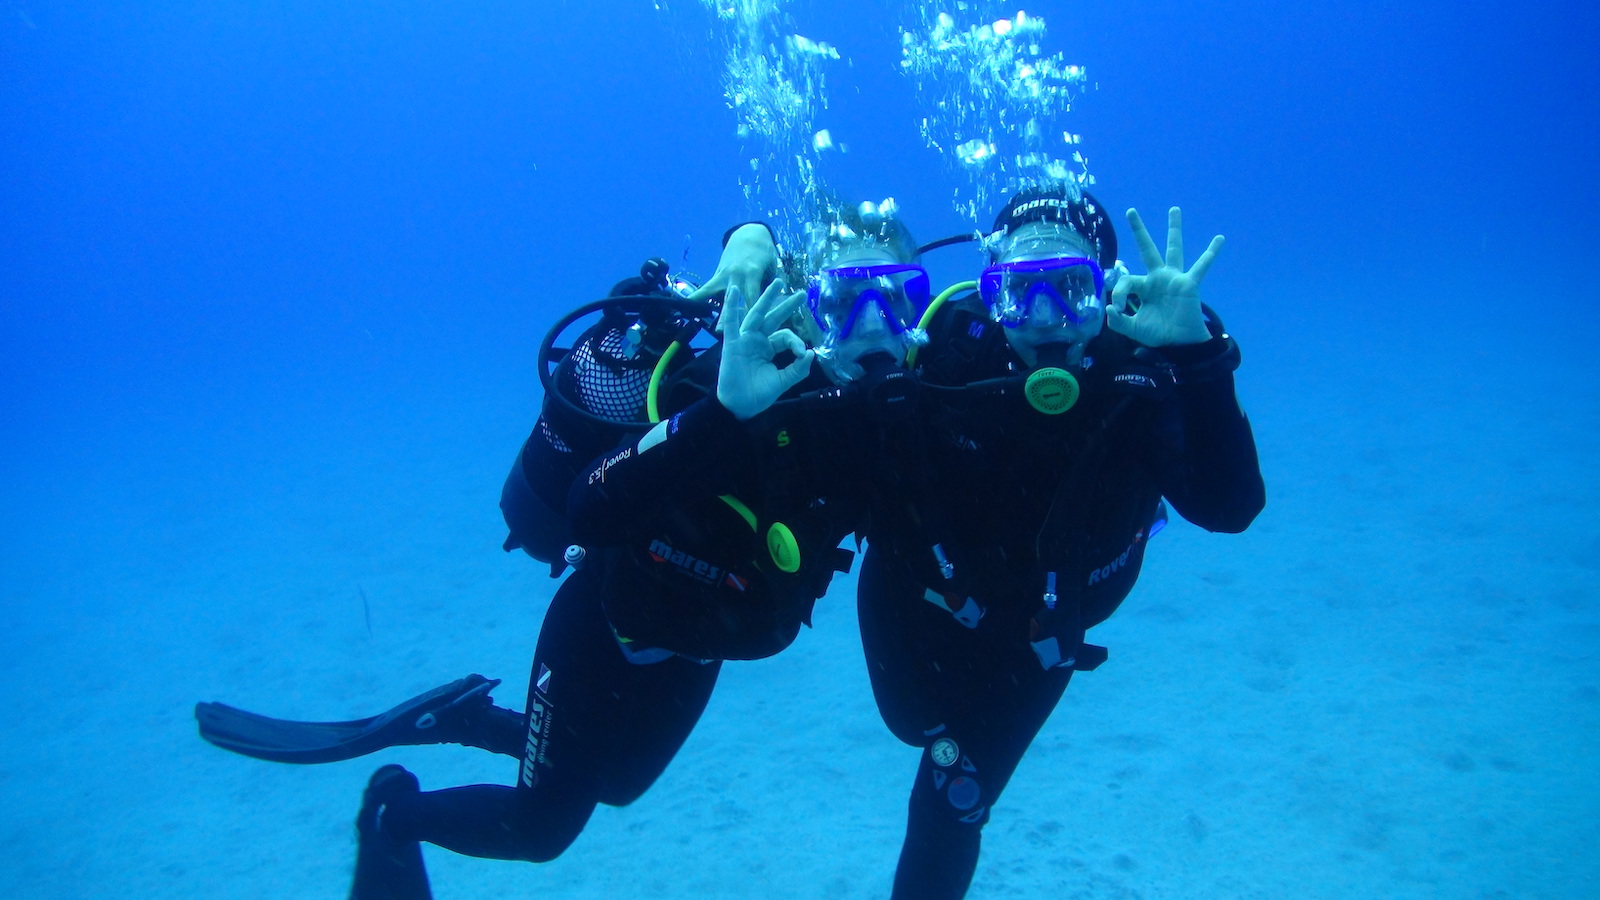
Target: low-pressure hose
<point x="652" y="407"/>
<point x="781" y="543"/>
<point x="653" y="410"/>
<point x="927" y="315"/>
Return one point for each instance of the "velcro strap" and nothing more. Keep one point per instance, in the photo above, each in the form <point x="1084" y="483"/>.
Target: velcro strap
<point x="1090" y="656"/>
<point x="1087" y="659"/>
<point x="964" y="609"/>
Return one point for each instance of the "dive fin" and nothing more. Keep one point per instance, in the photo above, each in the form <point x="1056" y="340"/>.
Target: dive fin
<point x="460" y="712"/>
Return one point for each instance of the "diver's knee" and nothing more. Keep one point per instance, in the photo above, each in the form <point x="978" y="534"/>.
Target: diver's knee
<point x="622" y="792"/>
<point x="543" y="827"/>
<point x="547" y="839"/>
<point x="545" y="850"/>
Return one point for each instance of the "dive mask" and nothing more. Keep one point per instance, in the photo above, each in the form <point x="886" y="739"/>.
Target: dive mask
<point x="840" y="297"/>
<point x="1063" y="295"/>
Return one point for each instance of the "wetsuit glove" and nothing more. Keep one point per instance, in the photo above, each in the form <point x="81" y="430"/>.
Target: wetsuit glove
<point x="1162" y="308"/>
<point x="749" y="380"/>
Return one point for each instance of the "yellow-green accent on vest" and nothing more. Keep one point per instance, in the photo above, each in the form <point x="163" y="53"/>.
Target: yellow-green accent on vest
<point x="651" y="408"/>
<point x="738" y="506"/>
<point x="783" y="548"/>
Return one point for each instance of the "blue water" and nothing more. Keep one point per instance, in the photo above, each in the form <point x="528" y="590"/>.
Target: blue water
<point x="271" y="282"/>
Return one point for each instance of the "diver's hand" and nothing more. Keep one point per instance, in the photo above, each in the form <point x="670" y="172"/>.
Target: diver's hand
<point x="750" y="259"/>
<point x="748" y="381"/>
<point x="1165" y="307"/>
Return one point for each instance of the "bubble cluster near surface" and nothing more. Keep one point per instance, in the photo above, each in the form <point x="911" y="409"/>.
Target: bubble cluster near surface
<point x="990" y="100"/>
<point x="993" y="100"/>
<point x="774" y="81"/>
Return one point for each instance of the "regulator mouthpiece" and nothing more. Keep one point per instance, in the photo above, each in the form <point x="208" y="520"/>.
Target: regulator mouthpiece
<point x="890" y="390"/>
<point x="1051" y="390"/>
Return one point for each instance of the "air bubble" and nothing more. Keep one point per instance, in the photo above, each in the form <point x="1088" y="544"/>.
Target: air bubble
<point x="992" y="78"/>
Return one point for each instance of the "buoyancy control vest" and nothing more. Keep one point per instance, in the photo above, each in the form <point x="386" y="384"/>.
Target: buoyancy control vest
<point x="734" y="575"/>
<point x="596" y="394"/>
<point x="978" y="399"/>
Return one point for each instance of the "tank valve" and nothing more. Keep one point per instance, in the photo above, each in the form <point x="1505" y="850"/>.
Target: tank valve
<point x="654" y="273"/>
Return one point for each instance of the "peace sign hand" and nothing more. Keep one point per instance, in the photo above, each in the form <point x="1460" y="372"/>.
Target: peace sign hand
<point x="1165" y="303"/>
<point x="748" y="381"/>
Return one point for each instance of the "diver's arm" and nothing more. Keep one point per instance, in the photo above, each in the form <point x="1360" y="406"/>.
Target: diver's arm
<point x="1210" y="472"/>
<point x="695" y="452"/>
<point x="1208" y="468"/>
<point x="689" y="454"/>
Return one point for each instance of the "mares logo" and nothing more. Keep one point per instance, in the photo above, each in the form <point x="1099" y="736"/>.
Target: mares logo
<point x="1054" y="203"/>
<point x="539" y="718"/>
<point x="599" y="474"/>
<point x="694" y="567"/>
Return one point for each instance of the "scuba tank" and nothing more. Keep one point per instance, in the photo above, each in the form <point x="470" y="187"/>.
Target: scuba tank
<point x="597" y="393"/>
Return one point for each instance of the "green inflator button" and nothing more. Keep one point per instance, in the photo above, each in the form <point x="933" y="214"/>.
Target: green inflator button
<point x="784" y="549"/>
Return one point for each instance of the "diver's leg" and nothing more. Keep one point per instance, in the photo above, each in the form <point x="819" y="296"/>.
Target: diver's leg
<point x="618" y="717"/>
<point x="599" y="729"/>
<point x="654" y="715"/>
<point x="972" y="698"/>
<point x="964" y="768"/>
<point x="896" y="627"/>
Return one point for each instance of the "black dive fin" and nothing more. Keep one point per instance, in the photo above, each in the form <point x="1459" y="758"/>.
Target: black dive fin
<point x="460" y="712"/>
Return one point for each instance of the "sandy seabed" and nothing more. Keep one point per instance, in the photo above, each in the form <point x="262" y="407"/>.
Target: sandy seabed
<point x="1387" y="688"/>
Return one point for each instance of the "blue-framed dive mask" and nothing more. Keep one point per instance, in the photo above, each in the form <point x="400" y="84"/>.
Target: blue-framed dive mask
<point x="1057" y="300"/>
<point x="840" y="297"/>
<point x="867" y="311"/>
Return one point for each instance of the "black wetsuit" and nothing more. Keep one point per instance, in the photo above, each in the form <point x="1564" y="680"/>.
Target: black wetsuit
<point x="1012" y="495"/>
<point x="677" y="579"/>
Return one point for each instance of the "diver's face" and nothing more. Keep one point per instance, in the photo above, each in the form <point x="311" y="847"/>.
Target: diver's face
<point x="1063" y="307"/>
<point x="865" y="304"/>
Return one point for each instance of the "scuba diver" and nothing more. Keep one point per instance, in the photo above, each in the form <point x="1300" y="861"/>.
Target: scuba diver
<point x="706" y="532"/>
<point x="1056" y="425"/>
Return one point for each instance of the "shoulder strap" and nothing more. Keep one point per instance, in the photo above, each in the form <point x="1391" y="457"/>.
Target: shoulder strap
<point x="691" y="381"/>
<point x="960" y="336"/>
